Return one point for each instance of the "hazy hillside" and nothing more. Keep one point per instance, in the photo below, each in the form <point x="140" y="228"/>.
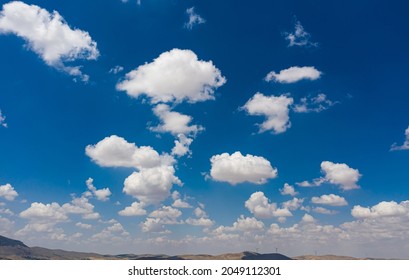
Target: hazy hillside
<point x="11" y="249"/>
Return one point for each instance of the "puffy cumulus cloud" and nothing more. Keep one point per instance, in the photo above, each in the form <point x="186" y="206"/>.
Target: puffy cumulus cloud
<point x="182" y="146"/>
<point x="3" y="120"/>
<point x="341" y="174"/>
<point x="382" y="209"/>
<point x="8" y="192"/>
<point x="81" y="206"/>
<point x="236" y="168"/>
<point x="336" y="173"/>
<point x="44" y="218"/>
<point x="178" y="125"/>
<point x="136" y="209"/>
<point x="294" y="74"/>
<point x="316" y="104"/>
<point x="7" y="226"/>
<point x="167" y="214"/>
<point x="48" y="35"/>
<point x="274" y="108"/>
<point x="200" y="222"/>
<point x="194" y="18"/>
<point x="307" y="218"/>
<point x="114" y="233"/>
<point x="153" y="225"/>
<point x="174" y="76"/>
<point x="293" y="204"/>
<point x="259" y="205"/>
<point x="151" y="185"/>
<point x="115" y="151"/>
<point x="299" y="37"/>
<point x="6" y="211"/>
<point x="329" y="199"/>
<point x="100" y="194"/>
<point x="174" y="122"/>
<point x="394" y="147"/>
<point x="288" y="190"/>
<point x="247" y="224"/>
<point x="200" y="213"/>
<point x="179" y="203"/>
<point x="51" y="212"/>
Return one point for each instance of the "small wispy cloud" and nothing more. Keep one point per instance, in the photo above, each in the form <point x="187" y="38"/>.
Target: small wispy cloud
<point x="116" y="69"/>
<point x="299" y="37"/>
<point x="394" y="147"/>
<point x="294" y="74"/>
<point x="3" y="120"/>
<point x="194" y="19"/>
<point x="315" y="104"/>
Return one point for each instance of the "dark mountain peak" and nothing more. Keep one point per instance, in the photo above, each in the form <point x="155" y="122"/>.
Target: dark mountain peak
<point x="257" y="256"/>
<point x="4" y="241"/>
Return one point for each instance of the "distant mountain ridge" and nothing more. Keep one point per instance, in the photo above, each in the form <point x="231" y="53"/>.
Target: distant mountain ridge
<point x="4" y="241"/>
<point x="11" y="249"/>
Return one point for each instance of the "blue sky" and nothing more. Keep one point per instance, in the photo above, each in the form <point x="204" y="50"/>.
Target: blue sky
<point x="174" y="127"/>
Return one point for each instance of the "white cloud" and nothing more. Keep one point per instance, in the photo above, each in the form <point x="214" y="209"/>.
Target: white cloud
<point x="182" y="146"/>
<point x="293" y="204"/>
<point x="81" y="206"/>
<point x="83" y="226"/>
<point x="315" y="183"/>
<point x="294" y="74"/>
<point x="237" y="168"/>
<point x="6" y="226"/>
<point x="259" y="206"/>
<point x="316" y="104"/>
<point x="394" y="147"/>
<point x="52" y="212"/>
<point x="336" y="173"/>
<point x="8" y="192"/>
<point x="201" y="222"/>
<point x="274" y="108"/>
<point x="382" y="209"/>
<point x="151" y="185"/>
<point x="299" y="37"/>
<point x="6" y="211"/>
<point x="152" y="225"/>
<point x="288" y="190"/>
<point x="49" y="36"/>
<point x="341" y="174"/>
<point x="3" y="120"/>
<point x="179" y="203"/>
<point x="101" y="194"/>
<point x="322" y="210"/>
<point x="174" y="122"/>
<point x="330" y="199"/>
<point x="115" y="151"/>
<point x="194" y="19"/>
<point x="307" y="218"/>
<point x="174" y="76"/>
<point x="116" y="69"/>
<point x="115" y="233"/>
<point x="136" y="209"/>
<point x="165" y="215"/>
<point x="247" y="224"/>
<point x="200" y="213"/>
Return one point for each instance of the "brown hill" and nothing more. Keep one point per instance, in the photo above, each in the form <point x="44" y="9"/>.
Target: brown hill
<point x="16" y="250"/>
